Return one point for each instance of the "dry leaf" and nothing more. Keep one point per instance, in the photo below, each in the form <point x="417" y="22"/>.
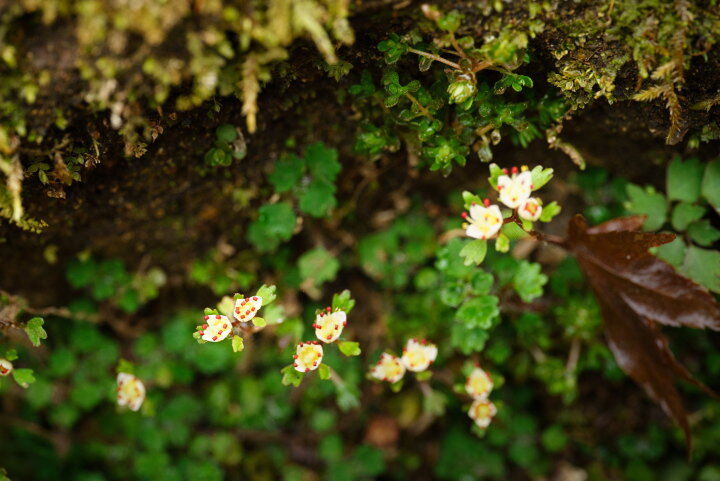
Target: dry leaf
<point x="637" y="292"/>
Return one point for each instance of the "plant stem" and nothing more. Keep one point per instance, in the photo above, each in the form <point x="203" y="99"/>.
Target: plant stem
<point x="437" y="58"/>
<point x="550" y="239"/>
<point x="420" y="106"/>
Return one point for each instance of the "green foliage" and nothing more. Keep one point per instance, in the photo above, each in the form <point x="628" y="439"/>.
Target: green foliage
<point x="349" y="348"/>
<point x="275" y="224"/>
<point x="229" y="146"/>
<point x="318" y="266"/>
<point x="474" y="252"/>
<point x="35" y="331"/>
<point x="311" y="178"/>
<point x="450" y="115"/>
<point x="648" y="202"/>
<point x="688" y="183"/>
<point x="109" y="280"/>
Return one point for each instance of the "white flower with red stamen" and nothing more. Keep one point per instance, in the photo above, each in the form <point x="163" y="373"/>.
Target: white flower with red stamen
<point x="388" y="368"/>
<point x="329" y="325"/>
<point x="418" y="355"/>
<point x="482" y="411"/>
<point x="530" y="209"/>
<point x="6" y="367"/>
<point x="247" y="308"/>
<point x="483" y="221"/>
<point x="515" y="188"/>
<point x="216" y="328"/>
<point x="478" y="384"/>
<point x="308" y="356"/>
<point x="130" y="391"/>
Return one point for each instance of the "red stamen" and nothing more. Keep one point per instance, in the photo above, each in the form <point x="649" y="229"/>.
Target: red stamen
<point x="486" y="202"/>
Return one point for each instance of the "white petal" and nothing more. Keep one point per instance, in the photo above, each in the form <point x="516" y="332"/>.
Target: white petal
<point x="474" y="231"/>
<point x="247" y="308"/>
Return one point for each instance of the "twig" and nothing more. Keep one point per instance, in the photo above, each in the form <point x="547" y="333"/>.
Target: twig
<point x="437" y="58"/>
<point x="420" y="106"/>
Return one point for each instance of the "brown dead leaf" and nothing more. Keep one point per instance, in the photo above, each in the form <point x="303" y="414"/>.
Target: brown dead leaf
<point x="637" y="292"/>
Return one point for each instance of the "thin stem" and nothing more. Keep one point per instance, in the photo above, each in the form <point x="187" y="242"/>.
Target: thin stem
<point x="437" y="58"/>
<point x="456" y="46"/>
<point x="420" y="106"/>
<point x="550" y="239"/>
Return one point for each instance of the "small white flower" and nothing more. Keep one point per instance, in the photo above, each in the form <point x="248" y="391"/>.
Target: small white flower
<point x="245" y="309"/>
<point x="308" y="356"/>
<point x="483" y="221"/>
<point x="130" y="391"/>
<point x="329" y="325"/>
<point x="516" y="188"/>
<point x="6" y="367"/>
<point x="482" y="411"/>
<point x="388" y="368"/>
<point x="418" y="355"/>
<point x="216" y="328"/>
<point x="530" y="209"/>
<point x="478" y="384"/>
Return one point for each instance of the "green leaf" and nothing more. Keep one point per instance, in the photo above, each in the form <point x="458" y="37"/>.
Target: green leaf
<point x="80" y="273"/>
<point x="11" y="355"/>
<point x="343" y="301"/>
<point x="478" y="312"/>
<point x="318" y="265"/>
<point x="349" y="348"/>
<point x="528" y="281"/>
<point x="125" y="366"/>
<point x="267" y="293"/>
<point x="554" y="438"/>
<point x="502" y="243"/>
<point x="423" y="375"/>
<point x="450" y="22"/>
<point x="24" y="377"/>
<point x="318" y="198"/>
<point x="673" y="252"/>
<point x="474" y="252"/>
<point x="393" y="48"/>
<point x="226" y="133"/>
<point x="287" y="173"/>
<point x="711" y="184"/>
<point x="322" y="162"/>
<point x="35" y="331"/>
<point x="549" y="211"/>
<point x="648" y="202"/>
<point x="685" y="214"/>
<point x="291" y="376"/>
<point x="703" y="266"/>
<point x="540" y="176"/>
<point x="275" y="224"/>
<point x="469" y="199"/>
<point x="703" y="233"/>
<point x="237" y="344"/>
<point x="468" y="339"/>
<point x="259" y="321"/>
<point x="495" y="172"/>
<point x="324" y="372"/>
<point x="684" y="179"/>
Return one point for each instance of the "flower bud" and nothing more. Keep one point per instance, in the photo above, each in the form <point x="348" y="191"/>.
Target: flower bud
<point x="461" y="90"/>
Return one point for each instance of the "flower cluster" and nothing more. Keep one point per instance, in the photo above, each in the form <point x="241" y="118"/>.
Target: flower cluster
<point x="235" y="317"/>
<point x="417" y="356"/>
<point x="485" y="220"/>
<point x="329" y="324"/>
<point x="130" y="391"/>
<point x="478" y="386"/>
